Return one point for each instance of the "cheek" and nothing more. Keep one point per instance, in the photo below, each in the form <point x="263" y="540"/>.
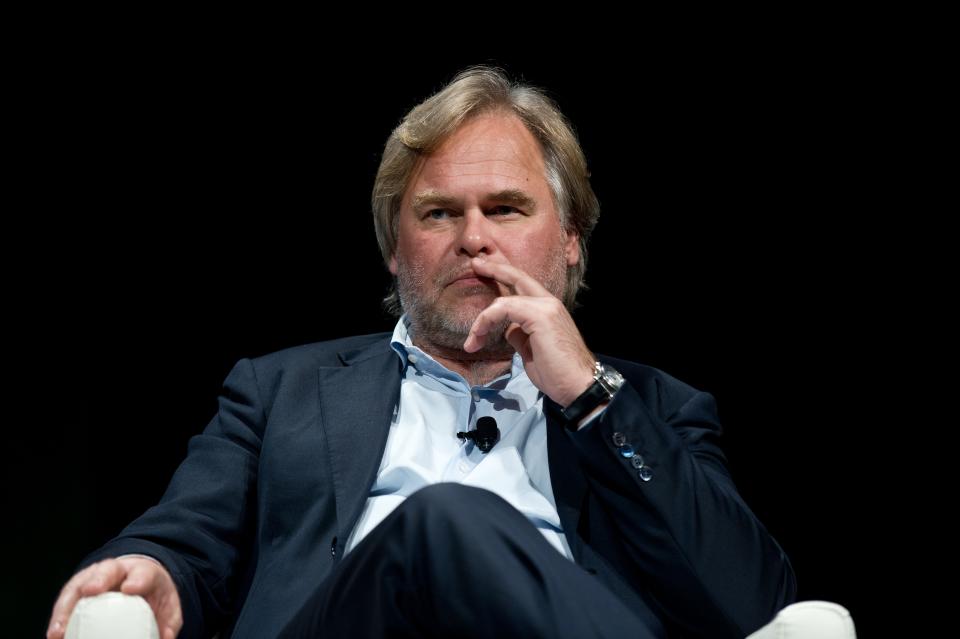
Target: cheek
<point x="421" y="259"/>
<point x="532" y="252"/>
<point x="519" y="249"/>
<point x="426" y="252"/>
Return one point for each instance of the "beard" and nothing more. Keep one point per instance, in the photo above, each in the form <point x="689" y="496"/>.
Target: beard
<point x="442" y="317"/>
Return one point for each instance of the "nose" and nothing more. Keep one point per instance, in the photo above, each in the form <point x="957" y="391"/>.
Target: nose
<point x="475" y="236"/>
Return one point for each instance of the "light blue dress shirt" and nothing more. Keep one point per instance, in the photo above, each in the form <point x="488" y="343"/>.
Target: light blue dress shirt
<point x="422" y="446"/>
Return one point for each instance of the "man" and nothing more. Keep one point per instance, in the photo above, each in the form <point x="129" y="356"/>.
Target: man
<point x="332" y="493"/>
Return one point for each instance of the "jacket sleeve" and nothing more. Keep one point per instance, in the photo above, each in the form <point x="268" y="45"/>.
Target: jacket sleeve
<point x="653" y="462"/>
<point x="201" y="530"/>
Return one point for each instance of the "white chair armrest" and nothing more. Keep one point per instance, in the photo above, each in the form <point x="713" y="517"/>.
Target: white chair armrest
<point x="809" y="620"/>
<point x="112" y="615"/>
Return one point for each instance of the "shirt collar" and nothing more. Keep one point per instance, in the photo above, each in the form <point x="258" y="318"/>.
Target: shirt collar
<point x="410" y="355"/>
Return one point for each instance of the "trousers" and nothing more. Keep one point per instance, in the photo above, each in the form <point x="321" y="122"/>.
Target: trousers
<point x="459" y="561"/>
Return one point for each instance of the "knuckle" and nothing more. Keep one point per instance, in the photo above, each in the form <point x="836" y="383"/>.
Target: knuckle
<point x="106" y="567"/>
<point x="86" y="572"/>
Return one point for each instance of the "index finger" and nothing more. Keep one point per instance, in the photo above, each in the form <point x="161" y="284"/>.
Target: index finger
<point x="97" y="577"/>
<point x="61" y="611"/>
<point x="521" y="281"/>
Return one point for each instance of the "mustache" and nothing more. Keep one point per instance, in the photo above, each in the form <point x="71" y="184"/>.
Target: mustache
<point x="456" y="273"/>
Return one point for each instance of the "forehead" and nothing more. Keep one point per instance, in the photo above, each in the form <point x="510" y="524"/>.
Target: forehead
<point x="494" y="151"/>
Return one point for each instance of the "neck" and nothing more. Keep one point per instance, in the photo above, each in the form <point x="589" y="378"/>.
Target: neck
<point x="477" y="368"/>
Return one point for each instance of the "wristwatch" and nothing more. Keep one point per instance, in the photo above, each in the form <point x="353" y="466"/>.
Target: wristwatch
<point x="606" y="382"/>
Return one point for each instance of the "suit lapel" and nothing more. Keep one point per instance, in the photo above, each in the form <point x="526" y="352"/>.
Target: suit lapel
<point x="357" y="402"/>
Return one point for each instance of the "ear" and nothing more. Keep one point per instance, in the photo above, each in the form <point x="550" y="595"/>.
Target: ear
<point x="571" y="248"/>
<point x="393" y="264"/>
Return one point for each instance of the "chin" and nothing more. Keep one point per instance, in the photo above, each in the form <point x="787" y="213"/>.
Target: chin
<point x="459" y="322"/>
<point x="467" y="310"/>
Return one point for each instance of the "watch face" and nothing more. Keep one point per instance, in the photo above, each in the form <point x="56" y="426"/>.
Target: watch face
<point x="610" y="379"/>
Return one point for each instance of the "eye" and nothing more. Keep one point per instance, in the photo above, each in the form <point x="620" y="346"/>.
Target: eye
<point x="503" y="210"/>
<point x="437" y="214"/>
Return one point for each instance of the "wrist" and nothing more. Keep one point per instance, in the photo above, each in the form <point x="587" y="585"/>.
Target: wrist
<point x="579" y="389"/>
<point x="136" y="555"/>
<point x="606" y="382"/>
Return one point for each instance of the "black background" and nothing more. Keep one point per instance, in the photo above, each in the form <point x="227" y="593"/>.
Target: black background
<point x="221" y="191"/>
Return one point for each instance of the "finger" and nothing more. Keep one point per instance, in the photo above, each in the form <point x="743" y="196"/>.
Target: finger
<point x="141" y="579"/>
<point x="169" y="622"/>
<point x="151" y="581"/>
<point x="519" y="280"/>
<point x="170" y="629"/>
<point x="173" y="624"/>
<point x="167" y="608"/>
<point x="62" y="609"/>
<point x="70" y="595"/>
<point x="519" y="340"/>
<point x="107" y="575"/>
<point x="169" y="633"/>
<point x="56" y="629"/>
<point x="524" y="311"/>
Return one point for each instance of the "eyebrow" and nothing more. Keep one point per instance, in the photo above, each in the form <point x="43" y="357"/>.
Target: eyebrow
<point x="515" y="197"/>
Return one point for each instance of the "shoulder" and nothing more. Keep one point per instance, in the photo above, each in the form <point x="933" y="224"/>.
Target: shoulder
<point x="333" y="352"/>
<point x="305" y="359"/>
<point x="292" y="372"/>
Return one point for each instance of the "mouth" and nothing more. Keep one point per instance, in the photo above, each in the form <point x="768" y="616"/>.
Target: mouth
<point x="465" y="276"/>
<point x="471" y="279"/>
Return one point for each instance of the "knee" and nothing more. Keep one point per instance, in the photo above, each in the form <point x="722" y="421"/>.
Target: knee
<point x="448" y="500"/>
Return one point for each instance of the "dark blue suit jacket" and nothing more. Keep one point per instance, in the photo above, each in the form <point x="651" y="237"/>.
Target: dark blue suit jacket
<point x="259" y="511"/>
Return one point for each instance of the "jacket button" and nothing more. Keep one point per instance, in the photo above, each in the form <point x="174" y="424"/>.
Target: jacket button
<point x="637" y="461"/>
<point x="619" y="439"/>
<point x="645" y="474"/>
<point x="626" y="451"/>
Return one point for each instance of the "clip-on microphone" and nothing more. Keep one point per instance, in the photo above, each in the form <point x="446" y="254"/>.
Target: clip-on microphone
<point x="485" y="436"/>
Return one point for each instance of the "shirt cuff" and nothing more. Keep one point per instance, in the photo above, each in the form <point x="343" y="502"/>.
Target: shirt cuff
<point x="596" y="412"/>
<point x="153" y="559"/>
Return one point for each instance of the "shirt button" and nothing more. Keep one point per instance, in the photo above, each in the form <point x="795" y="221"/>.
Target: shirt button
<point x="645" y="474"/>
<point x="464" y="467"/>
<point x="637" y="461"/>
<point x="476" y="396"/>
<point x="412" y="358"/>
<point x="619" y="439"/>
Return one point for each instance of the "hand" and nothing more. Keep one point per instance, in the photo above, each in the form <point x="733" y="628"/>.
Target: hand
<point x="130" y="575"/>
<point x="554" y="354"/>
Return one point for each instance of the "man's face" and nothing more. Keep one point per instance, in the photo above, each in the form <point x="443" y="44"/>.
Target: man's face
<point x="482" y="193"/>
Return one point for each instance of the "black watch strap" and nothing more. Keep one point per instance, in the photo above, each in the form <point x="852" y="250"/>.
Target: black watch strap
<point x="582" y="405"/>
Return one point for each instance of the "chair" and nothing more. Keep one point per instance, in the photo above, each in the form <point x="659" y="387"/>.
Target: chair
<point x="809" y="620"/>
<point x="114" y="615"/>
